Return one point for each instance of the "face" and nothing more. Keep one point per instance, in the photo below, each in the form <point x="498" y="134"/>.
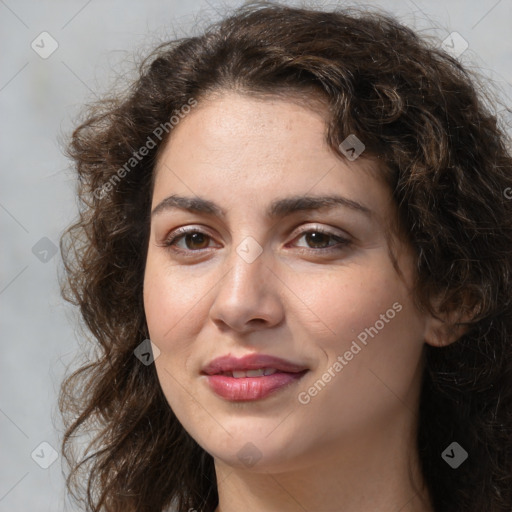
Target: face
<point x="245" y="271"/>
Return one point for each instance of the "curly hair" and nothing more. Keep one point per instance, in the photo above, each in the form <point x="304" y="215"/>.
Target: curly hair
<point x="447" y="162"/>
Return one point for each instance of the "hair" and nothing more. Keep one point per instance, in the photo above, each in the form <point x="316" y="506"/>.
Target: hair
<point x="447" y="162"/>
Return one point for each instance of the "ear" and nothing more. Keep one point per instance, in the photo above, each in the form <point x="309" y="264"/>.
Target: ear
<point x="444" y="328"/>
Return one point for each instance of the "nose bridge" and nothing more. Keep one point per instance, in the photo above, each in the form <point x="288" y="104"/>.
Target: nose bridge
<point x="246" y="292"/>
<point x="247" y="263"/>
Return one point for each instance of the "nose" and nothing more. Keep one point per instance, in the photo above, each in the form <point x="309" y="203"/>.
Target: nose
<point x="248" y="296"/>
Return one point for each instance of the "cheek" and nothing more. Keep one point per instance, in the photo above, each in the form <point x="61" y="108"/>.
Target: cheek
<point x="353" y="299"/>
<point x="378" y="334"/>
<point x="171" y="301"/>
<point x="169" y="307"/>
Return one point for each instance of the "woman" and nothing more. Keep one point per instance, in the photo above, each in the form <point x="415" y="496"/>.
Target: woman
<point x="306" y="213"/>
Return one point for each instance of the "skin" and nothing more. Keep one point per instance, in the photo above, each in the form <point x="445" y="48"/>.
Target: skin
<point x="351" y="448"/>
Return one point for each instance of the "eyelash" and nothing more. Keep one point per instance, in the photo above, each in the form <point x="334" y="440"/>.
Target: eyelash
<point x="180" y="233"/>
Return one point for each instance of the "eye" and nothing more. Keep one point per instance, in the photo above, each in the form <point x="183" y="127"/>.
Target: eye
<point x="319" y="239"/>
<point x="191" y="239"/>
<point x="188" y="241"/>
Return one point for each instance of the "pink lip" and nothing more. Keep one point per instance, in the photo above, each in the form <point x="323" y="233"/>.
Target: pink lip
<point x="250" y="362"/>
<point x="250" y="388"/>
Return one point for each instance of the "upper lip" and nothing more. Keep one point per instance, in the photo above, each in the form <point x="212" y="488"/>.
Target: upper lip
<point x="229" y="363"/>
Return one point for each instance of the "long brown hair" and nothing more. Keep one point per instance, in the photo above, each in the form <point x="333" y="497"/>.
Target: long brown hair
<point x="448" y="165"/>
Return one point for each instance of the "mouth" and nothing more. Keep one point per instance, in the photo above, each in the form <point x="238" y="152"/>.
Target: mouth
<point x="251" y="363"/>
<point x="252" y="377"/>
<point x="240" y="374"/>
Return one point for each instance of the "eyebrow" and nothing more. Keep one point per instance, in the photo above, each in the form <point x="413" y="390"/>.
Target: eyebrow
<point x="278" y="208"/>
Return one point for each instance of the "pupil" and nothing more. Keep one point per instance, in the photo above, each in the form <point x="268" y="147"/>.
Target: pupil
<point x="196" y="238"/>
<point x="315" y="238"/>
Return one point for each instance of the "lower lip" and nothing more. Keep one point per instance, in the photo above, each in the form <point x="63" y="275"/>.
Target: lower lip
<point x="251" y="388"/>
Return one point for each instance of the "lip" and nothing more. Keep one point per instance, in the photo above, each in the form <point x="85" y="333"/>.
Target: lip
<point x="251" y="388"/>
<point x="229" y="363"/>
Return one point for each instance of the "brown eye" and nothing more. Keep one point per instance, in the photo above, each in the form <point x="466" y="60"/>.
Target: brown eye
<point x="320" y="240"/>
<point x="194" y="240"/>
<point x="317" y="239"/>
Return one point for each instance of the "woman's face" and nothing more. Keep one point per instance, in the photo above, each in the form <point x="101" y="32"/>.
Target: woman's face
<point x="256" y="269"/>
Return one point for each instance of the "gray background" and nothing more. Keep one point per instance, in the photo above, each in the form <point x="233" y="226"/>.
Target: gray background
<point x="39" y="100"/>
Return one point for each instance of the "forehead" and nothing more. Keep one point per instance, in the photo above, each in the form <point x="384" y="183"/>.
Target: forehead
<point x="253" y="149"/>
<point x="239" y="122"/>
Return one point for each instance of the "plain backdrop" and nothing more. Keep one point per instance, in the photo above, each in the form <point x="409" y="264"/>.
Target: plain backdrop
<point x="40" y="96"/>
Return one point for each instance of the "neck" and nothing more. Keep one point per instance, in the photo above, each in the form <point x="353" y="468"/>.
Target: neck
<point x="368" y="471"/>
